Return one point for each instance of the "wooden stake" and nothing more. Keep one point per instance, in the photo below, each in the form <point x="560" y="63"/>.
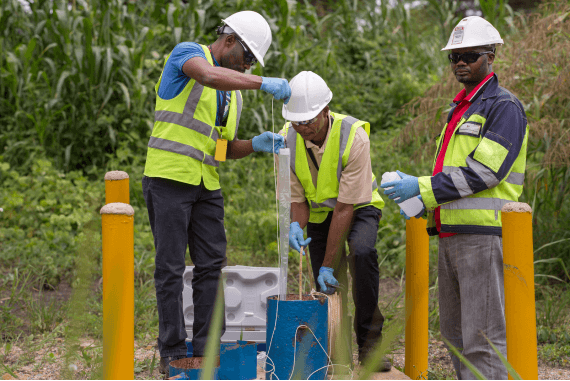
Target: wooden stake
<point x="308" y="259"/>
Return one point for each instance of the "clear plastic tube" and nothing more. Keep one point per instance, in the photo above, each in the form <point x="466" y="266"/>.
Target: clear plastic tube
<point x="284" y="218"/>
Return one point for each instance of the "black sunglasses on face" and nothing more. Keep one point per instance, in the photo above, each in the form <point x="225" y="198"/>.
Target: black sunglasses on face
<point x="248" y="57"/>
<point x="468" y="57"/>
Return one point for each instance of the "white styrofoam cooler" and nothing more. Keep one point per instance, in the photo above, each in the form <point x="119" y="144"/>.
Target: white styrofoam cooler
<point x="246" y="291"/>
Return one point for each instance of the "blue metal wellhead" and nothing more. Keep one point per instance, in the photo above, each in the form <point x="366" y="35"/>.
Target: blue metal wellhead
<point x="238" y="361"/>
<point x="294" y="352"/>
<point x="188" y="374"/>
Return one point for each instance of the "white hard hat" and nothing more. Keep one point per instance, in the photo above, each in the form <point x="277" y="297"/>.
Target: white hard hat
<point x="252" y="28"/>
<point x="473" y="31"/>
<point x="309" y="95"/>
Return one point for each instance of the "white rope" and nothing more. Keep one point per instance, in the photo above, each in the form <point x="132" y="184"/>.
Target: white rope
<point x="278" y="249"/>
<point x="329" y="363"/>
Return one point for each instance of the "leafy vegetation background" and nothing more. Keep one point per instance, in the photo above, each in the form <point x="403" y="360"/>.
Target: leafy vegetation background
<point x="77" y="100"/>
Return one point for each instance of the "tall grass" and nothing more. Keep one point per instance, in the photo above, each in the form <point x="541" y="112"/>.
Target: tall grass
<point x="77" y="83"/>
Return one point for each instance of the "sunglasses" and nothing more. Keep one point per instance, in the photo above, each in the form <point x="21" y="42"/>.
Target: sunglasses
<point x="248" y="57"/>
<point x="305" y="122"/>
<point x="468" y="57"/>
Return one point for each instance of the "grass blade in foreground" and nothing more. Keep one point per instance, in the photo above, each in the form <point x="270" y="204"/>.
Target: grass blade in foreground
<point x="387" y="338"/>
<point x="213" y="344"/>
<point x="471" y="367"/>
<point x="509" y="367"/>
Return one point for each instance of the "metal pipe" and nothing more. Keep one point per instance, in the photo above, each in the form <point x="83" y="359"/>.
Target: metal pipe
<point x="118" y="291"/>
<point x="520" y="308"/>
<point x="116" y="187"/>
<point x="417" y="297"/>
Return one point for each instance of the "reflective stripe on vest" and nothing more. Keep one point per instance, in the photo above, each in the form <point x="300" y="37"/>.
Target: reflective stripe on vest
<point x="182" y="149"/>
<point x="331" y="202"/>
<point x="513" y="177"/>
<point x="476" y="203"/>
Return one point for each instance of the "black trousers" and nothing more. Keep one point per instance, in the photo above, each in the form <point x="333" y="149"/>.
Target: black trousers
<point x="182" y="214"/>
<point x="363" y="265"/>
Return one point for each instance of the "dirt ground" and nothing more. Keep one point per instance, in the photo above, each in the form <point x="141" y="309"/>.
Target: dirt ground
<point x="42" y="358"/>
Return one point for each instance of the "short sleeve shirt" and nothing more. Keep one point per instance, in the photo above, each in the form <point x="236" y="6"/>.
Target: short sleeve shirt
<point x="174" y="80"/>
<point x="355" y="185"/>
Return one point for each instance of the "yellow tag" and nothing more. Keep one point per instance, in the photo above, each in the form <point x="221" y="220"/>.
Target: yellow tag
<point x="221" y="149"/>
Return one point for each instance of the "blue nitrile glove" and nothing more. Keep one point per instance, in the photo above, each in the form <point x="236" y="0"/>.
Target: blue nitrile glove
<point x="296" y="237"/>
<point x="419" y="215"/>
<point x="403" y="189"/>
<point x="268" y="142"/>
<point x="278" y="87"/>
<point x="326" y="277"/>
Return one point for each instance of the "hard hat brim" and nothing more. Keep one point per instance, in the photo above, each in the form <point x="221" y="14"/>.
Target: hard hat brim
<point x="472" y="45"/>
<point x="299" y="117"/>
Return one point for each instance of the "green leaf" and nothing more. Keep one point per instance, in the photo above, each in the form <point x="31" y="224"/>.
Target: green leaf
<point x="60" y="82"/>
<point x="126" y="95"/>
<point x="467" y="363"/>
<point x="213" y="344"/>
<point x="30" y="50"/>
<point x="554" y="260"/>
<point x="509" y="367"/>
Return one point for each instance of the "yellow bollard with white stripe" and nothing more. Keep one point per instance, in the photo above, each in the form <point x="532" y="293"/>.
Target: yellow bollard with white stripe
<point x="417" y="297"/>
<point x="116" y="187"/>
<point x="520" y="308"/>
<point x="118" y="291"/>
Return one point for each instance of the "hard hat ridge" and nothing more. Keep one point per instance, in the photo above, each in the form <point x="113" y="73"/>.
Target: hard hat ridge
<point x="309" y="96"/>
<point x="473" y="31"/>
<point x="254" y="31"/>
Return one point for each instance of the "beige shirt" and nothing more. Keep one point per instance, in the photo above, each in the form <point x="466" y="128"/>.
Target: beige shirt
<point x="356" y="179"/>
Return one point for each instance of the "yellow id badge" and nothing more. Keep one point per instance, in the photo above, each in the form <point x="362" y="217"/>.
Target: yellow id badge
<point x="221" y="149"/>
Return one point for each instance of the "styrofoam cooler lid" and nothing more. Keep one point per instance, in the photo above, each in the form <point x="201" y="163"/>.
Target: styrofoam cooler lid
<point x="246" y="289"/>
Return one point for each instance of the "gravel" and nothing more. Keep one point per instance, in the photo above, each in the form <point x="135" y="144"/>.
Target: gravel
<point x="44" y="361"/>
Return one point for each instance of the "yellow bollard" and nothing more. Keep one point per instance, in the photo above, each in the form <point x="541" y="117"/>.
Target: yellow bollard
<point x="118" y="291"/>
<point x="116" y="187"/>
<point x="518" y="267"/>
<point x="417" y="297"/>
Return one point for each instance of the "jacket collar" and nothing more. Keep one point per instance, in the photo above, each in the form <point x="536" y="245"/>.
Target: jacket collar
<point x="491" y="89"/>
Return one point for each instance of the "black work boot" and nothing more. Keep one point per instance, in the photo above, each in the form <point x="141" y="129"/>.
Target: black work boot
<point x="384" y="366"/>
<point x="165" y="361"/>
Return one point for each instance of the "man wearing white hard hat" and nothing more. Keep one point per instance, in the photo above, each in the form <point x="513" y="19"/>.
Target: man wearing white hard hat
<point x="197" y="116"/>
<point x="335" y="195"/>
<point x="478" y="168"/>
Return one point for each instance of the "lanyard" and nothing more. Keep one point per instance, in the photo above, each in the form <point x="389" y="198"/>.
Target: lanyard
<point x="222" y="107"/>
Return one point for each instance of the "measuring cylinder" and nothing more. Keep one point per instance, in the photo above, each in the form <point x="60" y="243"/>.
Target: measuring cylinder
<point x="284" y="218"/>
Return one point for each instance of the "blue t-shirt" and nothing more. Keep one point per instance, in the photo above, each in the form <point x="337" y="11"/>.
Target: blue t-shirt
<point x="174" y="80"/>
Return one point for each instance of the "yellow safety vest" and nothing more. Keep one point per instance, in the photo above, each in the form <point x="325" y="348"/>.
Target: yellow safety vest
<point x="323" y="198"/>
<point x="183" y="140"/>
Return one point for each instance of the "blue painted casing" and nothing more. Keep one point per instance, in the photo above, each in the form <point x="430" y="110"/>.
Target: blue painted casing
<point x="261" y="347"/>
<point x="238" y="361"/>
<point x="290" y="345"/>
<point x="189" y="374"/>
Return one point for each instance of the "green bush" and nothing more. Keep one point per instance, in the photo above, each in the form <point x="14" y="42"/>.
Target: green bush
<point x="44" y="213"/>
